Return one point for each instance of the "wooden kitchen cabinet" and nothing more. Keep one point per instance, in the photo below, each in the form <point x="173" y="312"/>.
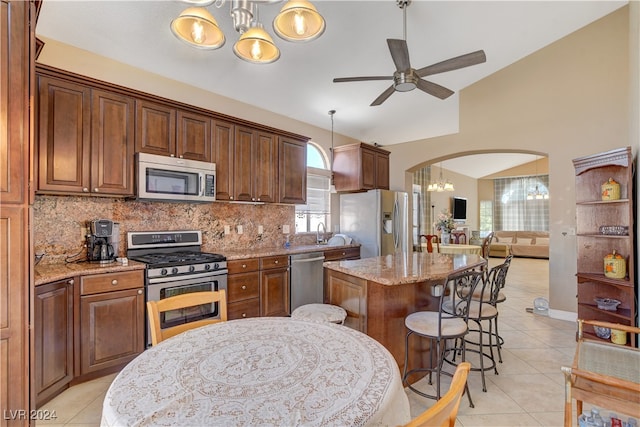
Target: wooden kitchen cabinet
<point x="593" y="244"/>
<point x="194" y="136"/>
<point x="155" y="128"/>
<point x="274" y="286"/>
<point x="350" y="293"/>
<point x="85" y="139"/>
<point x="360" y="167"/>
<point x="53" y="338"/>
<point x="255" y="165"/>
<point x="168" y="131"/>
<point x="292" y="167"/>
<point x="17" y="29"/>
<point x="243" y="288"/>
<point x="342" y="254"/>
<point x="223" y="136"/>
<point x="112" y="321"/>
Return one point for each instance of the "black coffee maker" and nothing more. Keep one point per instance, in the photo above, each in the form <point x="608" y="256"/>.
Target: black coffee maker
<point x="99" y="241"/>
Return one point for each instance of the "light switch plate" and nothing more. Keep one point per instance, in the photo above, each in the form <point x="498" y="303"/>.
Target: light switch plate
<point x="260" y="229"/>
<point x="285" y="229"/>
<point x="240" y="229"/>
<point x="227" y="230"/>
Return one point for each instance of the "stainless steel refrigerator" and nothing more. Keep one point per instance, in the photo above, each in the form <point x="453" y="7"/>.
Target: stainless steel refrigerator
<point x="377" y="219"/>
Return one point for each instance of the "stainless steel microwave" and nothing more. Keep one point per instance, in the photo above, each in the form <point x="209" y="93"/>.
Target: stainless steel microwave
<point x="174" y="179"/>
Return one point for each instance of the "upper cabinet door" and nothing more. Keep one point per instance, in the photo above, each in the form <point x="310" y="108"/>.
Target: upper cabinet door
<point x="222" y="156"/>
<point x="292" y="165"/>
<point x="155" y="128"/>
<point x="243" y="154"/>
<point x="194" y="136"/>
<point x="266" y="170"/>
<point x="112" y="128"/>
<point x="63" y="136"/>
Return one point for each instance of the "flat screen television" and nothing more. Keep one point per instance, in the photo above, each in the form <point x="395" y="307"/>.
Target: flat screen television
<point x="459" y="208"/>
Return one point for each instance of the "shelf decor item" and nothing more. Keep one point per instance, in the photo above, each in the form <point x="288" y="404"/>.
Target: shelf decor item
<point x="610" y="190"/>
<point x="607" y="304"/>
<point x="615" y="266"/>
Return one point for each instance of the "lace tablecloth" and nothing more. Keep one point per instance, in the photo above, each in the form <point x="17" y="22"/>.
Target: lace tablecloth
<point x="261" y="371"/>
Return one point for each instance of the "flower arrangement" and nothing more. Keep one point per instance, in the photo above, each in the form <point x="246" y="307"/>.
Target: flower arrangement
<point x="444" y="222"/>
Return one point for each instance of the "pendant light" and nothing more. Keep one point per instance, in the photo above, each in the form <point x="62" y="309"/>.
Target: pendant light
<point x="332" y="186"/>
<point x="441" y="184"/>
<point x="299" y="21"/>
<point x="198" y="28"/>
<point x="537" y="194"/>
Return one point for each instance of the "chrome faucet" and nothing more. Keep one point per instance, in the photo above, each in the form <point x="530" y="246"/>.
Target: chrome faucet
<point x="324" y="234"/>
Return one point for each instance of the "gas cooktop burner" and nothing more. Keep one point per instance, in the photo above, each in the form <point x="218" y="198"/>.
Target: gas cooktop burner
<point x="177" y="258"/>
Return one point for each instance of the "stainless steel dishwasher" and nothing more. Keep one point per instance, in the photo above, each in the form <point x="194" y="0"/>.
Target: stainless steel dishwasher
<point x="306" y="279"/>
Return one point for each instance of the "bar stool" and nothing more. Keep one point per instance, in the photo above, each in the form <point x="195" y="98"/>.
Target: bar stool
<point x="483" y="308"/>
<point x="325" y="313"/>
<point x="498" y="277"/>
<point x="441" y="327"/>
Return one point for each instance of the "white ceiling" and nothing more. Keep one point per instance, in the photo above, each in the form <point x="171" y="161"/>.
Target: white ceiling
<point x="299" y="85"/>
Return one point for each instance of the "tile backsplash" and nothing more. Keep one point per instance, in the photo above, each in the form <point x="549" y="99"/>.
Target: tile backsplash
<point x="58" y="221"/>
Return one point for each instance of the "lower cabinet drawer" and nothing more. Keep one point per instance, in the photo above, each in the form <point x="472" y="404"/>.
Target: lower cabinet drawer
<point x="243" y="309"/>
<point x="243" y="286"/>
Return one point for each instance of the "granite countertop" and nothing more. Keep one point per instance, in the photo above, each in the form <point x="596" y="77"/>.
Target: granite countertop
<point x="398" y="269"/>
<point x="278" y="250"/>
<point x="47" y="273"/>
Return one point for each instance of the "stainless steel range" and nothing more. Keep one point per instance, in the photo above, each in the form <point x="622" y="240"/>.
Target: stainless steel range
<point x="176" y="265"/>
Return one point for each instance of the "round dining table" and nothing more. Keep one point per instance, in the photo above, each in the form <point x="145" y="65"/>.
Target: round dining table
<point x="265" y="371"/>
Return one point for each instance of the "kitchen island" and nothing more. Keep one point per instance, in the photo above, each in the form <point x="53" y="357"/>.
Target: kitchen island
<point x="379" y="292"/>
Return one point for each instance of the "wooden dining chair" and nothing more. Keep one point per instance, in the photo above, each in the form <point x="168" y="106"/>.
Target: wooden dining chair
<point x="445" y="410"/>
<point x="156" y="308"/>
<point x="486" y="245"/>
<point x="431" y="239"/>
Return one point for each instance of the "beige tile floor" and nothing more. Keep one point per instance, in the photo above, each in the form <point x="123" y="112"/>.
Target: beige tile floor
<point x="527" y="392"/>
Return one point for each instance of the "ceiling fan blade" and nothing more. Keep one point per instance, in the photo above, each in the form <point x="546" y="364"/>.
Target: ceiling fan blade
<point x="361" y="79"/>
<point x="383" y="96"/>
<point x="399" y="54"/>
<point x="434" y="89"/>
<point x="473" y="58"/>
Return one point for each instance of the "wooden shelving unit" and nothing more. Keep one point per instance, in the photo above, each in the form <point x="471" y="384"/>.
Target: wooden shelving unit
<point x="592" y="213"/>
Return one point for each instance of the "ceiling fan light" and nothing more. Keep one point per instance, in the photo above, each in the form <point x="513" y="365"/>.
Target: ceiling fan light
<point x="198" y="28"/>
<point x="299" y="21"/>
<point x="256" y="46"/>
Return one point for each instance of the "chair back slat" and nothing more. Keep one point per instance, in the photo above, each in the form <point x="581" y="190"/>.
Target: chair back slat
<point x="192" y="299"/>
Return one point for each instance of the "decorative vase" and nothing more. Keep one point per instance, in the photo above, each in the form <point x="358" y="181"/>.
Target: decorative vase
<point x="445" y="238"/>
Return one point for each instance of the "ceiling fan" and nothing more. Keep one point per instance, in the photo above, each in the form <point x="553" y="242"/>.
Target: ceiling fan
<point x="406" y="78"/>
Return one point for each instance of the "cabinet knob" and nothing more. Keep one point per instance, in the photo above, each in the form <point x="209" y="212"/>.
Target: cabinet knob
<point x="70" y="281"/>
<point x="276" y="261"/>
<point x="253" y="199"/>
<point x="344" y="253"/>
<point x="180" y="155"/>
<point x="139" y="291"/>
<point x="85" y="190"/>
<point x="95" y="190"/>
<point x="230" y="197"/>
<point x="244" y="315"/>
<point x="258" y="198"/>
<point x="173" y="155"/>
<point x="114" y="282"/>
<point x="244" y="265"/>
<point x="244" y="287"/>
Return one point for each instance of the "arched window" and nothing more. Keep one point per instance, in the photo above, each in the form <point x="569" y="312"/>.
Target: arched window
<point x="318" y="207"/>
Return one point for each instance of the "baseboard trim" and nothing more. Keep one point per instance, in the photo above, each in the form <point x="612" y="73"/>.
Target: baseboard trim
<point x="569" y="316"/>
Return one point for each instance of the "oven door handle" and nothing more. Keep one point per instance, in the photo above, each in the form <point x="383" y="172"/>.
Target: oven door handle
<point x="189" y="278"/>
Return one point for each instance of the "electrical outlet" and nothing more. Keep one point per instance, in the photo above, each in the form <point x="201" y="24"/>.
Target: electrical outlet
<point x="260" y="229"/>
<point x="240" y="229"/>
<point x="227" y="230"/>
<point x="285" y="229"/>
